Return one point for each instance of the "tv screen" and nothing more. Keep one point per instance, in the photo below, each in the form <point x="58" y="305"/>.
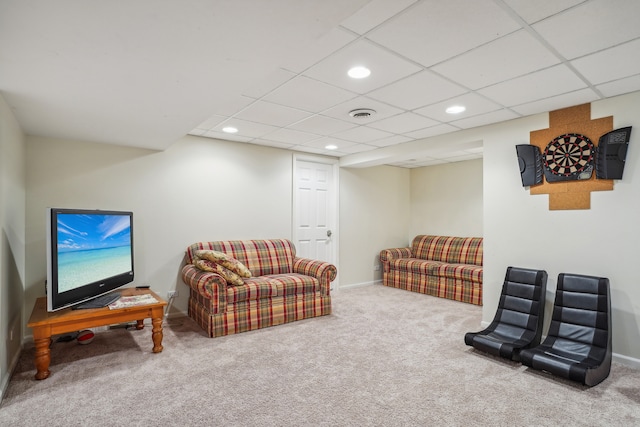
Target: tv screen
<point x="89" y="253"/>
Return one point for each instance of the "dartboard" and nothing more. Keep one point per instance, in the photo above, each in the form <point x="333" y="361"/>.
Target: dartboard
<point x="568" y="154"/>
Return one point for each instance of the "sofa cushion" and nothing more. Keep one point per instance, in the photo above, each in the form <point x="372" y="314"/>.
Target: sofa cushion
<point x="455" y="250"/>
<point x="467" y="272"/>
<point x="224" y="260"/>
<point x="414" y="265"/>
<point x="228" y="275"/>
<point x="271" y="286"/>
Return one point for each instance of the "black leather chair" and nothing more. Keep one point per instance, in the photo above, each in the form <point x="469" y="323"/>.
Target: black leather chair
<point x="578" y="346"/>
<point x="518" y="320"/>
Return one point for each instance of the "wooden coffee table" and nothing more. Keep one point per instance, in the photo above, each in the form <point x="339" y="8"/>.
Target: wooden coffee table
<point x="46" y="324"/>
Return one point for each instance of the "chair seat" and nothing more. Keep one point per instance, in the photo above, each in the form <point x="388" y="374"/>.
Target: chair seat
<point x="561" y="364"/>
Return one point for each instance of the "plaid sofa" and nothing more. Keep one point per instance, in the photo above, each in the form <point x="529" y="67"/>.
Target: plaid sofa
<point x="283" y="288"/>
<point x="443" y="266"/>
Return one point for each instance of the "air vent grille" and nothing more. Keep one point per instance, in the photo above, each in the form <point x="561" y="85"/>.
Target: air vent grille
<point x="361" y="113"/>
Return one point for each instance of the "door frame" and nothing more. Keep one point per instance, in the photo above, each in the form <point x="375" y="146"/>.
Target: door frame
<point x="334" y="200"/>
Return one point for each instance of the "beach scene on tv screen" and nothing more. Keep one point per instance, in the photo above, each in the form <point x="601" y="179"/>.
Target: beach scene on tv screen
<point x="92" y="248"/>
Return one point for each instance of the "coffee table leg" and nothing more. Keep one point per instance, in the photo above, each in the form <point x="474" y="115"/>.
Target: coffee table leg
<point x="140" y="324"/>
<point x="156" y="334"/>
<point x="42" y="357"/>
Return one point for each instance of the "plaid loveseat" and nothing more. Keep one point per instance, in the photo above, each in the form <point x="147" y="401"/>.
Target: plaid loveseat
<point x="443" y="266"/>
<point x="282" y="287"/>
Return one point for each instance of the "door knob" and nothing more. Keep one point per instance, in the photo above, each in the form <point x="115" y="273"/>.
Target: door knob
<point x="329" y="233"/>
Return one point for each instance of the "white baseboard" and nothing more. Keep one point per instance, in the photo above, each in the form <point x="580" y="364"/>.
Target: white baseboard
<point x="631" y="362"/>
<point x="7" y="376"/>
<point x="359" y="285"/>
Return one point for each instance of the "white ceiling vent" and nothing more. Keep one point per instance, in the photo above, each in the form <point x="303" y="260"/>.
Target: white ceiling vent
<point x="362" y="113"/>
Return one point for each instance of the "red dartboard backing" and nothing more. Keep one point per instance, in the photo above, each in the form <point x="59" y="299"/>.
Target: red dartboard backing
<point x="568" y="155"/>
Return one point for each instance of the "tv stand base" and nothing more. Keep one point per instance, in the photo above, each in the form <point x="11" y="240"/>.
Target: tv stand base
<point x="46" y="324"/>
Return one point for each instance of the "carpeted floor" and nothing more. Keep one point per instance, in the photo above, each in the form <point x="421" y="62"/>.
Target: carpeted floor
<point x="385" y="357"/>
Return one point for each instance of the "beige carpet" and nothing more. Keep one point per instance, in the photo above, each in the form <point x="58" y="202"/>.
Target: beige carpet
<point x="385" y="357"/>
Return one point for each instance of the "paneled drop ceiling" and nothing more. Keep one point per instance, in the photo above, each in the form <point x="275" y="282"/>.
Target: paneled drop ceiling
<point x="146" y="73"/>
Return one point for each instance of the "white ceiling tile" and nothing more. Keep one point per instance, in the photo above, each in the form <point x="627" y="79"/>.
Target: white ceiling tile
<point x="385" y="67"/>
<point x="272" y="114"/>
<point x="268" y="143"/>
<point x="326" y="45"/>
<point x="299" y="65"/>
<point x="477" y="150"/>
<point x="459" y="153"/>
<point x="231" y="106"/>
<point x="291" y="136"/>
<point x="510" y="56"/>
<point x="417" y="90"/>
<point x="362" y="134"/>
<point x="461" y="158"/>
<point x="391" y="140"/>
<point x="403" y="123"/>
<point x="533" y="11"/>
<point x="382" y="110"/>
<point x="308" y="94"/>
<point x="612" y="64"/>
<point x="212" y="122"/>
<point x="619" y="87"/>
<point x="486" y="119"/>
<point x="374" y="14"/>
<point x="356" y="148"/>
<point x="474" y="104"/>
<point x="270" y="82"/>
<point x="432" y="131"/>
<point x="577" y="97"/>
<point x="322" y="125"/>
<point x="591" y="26"/>
<point x="246" y="128"/>
<point x="534" y="86"/>
<point x="323" y="142"/>
<point x="225" y="136"/>
<point x="425" y="32"/>
<point x="315" y="150"/>
<point x="432" y="162"/>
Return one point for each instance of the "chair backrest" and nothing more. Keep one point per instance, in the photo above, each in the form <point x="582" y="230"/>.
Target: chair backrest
<point x="520" y="311"/>
<point x="262" y="257"/>
<point x="456" y="250"/>
<point x="581" y="321"/>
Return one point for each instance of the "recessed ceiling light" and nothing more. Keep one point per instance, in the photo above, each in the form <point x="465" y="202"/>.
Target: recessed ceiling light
<point x="359" y="72"/>
<point x="331" y="147"/>
<point x="455" y="109"/>
<point x="229" y="129"/>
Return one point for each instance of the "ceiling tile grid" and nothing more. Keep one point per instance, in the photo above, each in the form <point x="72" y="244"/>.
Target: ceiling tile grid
<point x="500" y="59"/>
<point x="277" y="71"/>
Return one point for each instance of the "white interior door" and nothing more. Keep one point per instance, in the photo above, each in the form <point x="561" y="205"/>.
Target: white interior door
<point x="315" y="230"/>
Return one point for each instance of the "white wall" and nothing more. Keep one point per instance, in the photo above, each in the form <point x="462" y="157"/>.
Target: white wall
<point x="202" y="189"/>
<point x="12" y="241"/>
<point x="199" y="189"/>
<point x="374" y="215"/>
<point x="447" y="199"/>
<point x="603" y="241"/>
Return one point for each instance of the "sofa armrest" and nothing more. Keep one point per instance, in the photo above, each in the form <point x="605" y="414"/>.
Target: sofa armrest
<point x="211" y="286"/>
<point x="321" y="270"/>
<point x="386" y="255"/>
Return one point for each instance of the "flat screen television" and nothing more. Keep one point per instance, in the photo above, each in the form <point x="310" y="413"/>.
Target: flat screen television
<point x="89" y="253"/>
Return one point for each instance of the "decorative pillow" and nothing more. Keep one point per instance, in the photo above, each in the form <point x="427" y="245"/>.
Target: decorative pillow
<point x="228" y="275"/>
<point x="226" y="261"/>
